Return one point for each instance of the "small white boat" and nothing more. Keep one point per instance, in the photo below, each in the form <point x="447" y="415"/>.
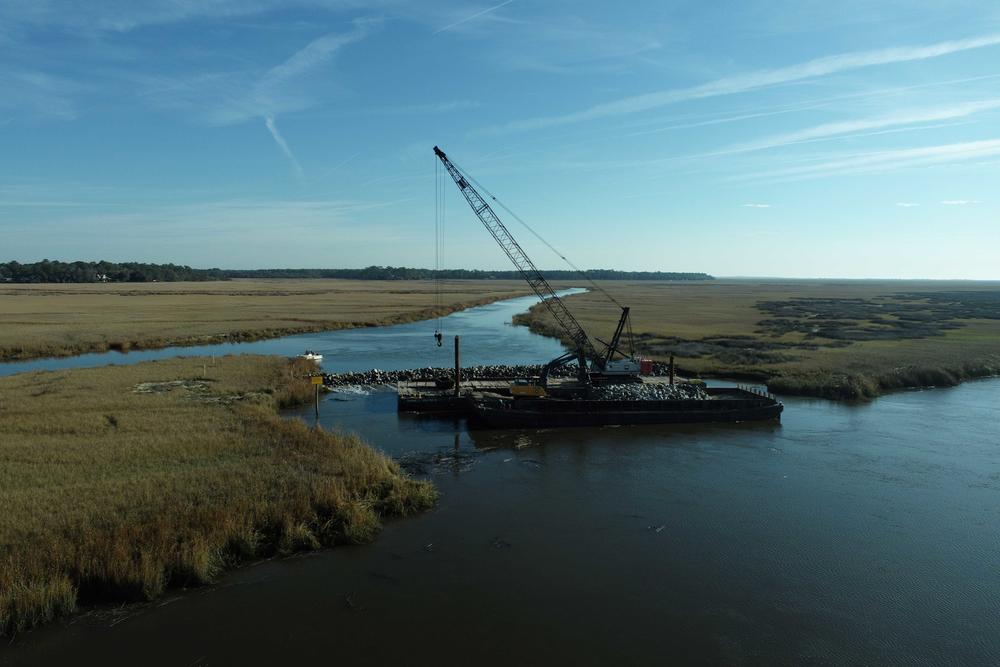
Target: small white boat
<point x="311" y="356"/>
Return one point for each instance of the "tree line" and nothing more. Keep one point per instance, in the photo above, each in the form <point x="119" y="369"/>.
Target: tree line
<point x="48" y="271"/>
<point x="407" y="273"/>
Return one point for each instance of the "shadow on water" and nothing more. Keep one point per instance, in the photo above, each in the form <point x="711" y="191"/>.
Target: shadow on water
<point x="627" y="437"/>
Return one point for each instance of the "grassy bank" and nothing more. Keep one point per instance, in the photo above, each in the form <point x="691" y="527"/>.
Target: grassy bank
<point x="832" y="339"/>
<point x="119" y="482"/>
<point x="63" y="320"/>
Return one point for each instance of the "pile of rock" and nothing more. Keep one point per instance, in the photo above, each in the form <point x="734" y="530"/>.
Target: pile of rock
<point x="648" y="392"/>
<point x="376" y="377"/>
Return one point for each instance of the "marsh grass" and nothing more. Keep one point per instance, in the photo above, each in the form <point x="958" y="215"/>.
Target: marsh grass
<point x="861" y="385"/>
<point x="113" y="494"/>
<point x="832" y="339"/>
<point x="68" y="319"/>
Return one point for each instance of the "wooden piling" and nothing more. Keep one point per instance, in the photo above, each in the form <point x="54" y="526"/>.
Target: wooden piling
<point x="317" y="381"/>
<point x="458" y="366"/>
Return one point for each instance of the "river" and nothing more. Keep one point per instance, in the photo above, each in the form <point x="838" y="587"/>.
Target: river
<point x="487" y="333"/>
<point x="847" y="534"/>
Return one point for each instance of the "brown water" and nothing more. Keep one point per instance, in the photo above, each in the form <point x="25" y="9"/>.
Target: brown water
<point x="860" y="534"/>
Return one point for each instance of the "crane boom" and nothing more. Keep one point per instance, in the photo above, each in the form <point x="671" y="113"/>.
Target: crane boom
<point x="584" y="349"/>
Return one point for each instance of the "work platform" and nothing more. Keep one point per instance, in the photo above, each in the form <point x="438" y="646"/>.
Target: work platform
<point x="489" y="403"/>
<point x="426" y="395"/>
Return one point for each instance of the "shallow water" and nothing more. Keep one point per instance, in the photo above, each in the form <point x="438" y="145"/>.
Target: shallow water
<point x="847" y="534"/>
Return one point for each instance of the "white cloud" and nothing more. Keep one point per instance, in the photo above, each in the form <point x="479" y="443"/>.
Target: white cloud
<point x="41" y="94"/>
<point x="884" y="161"/>
<point x="230" y="98"/>
<point x="232" y="233"/>
<point x="702" y="120"/>
<point x="218" y="218"/>
<point x="757" y="79"/>
<point x="827" y="130"/>
<point x="313" y="54"/>
<point x="756" y="206"/>
<point x="275" y="91"/>
<point x="123" y="16"/>
<point x="237" y="96"/>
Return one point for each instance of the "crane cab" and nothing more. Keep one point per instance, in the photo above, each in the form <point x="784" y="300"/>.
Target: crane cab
<point x="622" y="367"/>
<point x="628" y="367"/>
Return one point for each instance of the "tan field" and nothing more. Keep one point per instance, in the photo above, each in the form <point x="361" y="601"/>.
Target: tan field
<point x="66" y="319"/>
<point x="841" y="339"/>
<point x="121" y="481"/>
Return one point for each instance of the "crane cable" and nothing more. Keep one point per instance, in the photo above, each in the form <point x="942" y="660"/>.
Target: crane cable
<point x="538" y="236"/>
<point x="438" y="223"/>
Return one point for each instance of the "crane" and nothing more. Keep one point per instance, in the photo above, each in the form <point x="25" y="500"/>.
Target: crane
<point x="604" y="364"/>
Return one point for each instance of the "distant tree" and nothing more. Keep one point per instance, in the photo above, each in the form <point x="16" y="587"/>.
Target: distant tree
<point x="404" y="273"/>
<point x="48" y="271"/>
<point x="82" y="272"/>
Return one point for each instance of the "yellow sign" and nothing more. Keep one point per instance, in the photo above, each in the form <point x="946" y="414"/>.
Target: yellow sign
<point x="527" y="390"/>
<point x="317" y="379"/>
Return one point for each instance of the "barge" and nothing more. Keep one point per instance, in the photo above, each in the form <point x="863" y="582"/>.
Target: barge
<point x="721" y="405"/>
<point x="605" y="390"/>
<point x="490" y="404"/>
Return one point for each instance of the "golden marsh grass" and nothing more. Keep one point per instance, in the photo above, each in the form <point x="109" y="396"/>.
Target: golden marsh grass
<point x="109" y="493"/>
<point x="715" y="328"/>
<point x="67" y="319"/>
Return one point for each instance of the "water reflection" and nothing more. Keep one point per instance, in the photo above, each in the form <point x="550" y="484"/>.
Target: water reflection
<point x="627" y="436"/>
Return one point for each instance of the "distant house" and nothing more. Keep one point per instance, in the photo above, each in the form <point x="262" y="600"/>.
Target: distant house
<point x="102" y="278"/>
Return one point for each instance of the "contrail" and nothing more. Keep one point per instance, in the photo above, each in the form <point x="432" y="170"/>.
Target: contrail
<point x="849" y="127"/>
<point x="756" y="80"/>
<point x="469" y="18"/>
<point x="283" y="145"/>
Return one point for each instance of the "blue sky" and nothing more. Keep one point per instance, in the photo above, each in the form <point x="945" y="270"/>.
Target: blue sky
<point x="780" y="138"/>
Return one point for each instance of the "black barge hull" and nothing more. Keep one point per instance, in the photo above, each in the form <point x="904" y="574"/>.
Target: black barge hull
<point x="726" y="405"/>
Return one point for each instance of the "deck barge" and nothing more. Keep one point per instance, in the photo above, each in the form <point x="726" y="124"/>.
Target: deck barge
<point x="489" y="404"/>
